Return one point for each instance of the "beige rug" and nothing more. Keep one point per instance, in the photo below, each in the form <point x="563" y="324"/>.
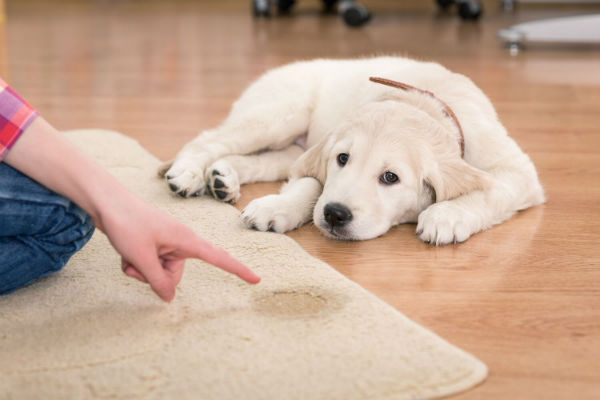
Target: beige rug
<point x="305" y="332"/>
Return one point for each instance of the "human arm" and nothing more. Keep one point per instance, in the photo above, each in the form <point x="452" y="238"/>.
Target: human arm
<point x="153" y="245"/>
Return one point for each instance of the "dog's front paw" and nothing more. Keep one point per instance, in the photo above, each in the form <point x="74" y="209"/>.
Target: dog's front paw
<point x="270" y="213"/>
<point x="186" y="179"/>
<point x="443" y="223"/>
<point x="223" y="182"/>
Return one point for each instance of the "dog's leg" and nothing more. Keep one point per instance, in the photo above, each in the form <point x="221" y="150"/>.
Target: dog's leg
<point x="225" y="175"/>
<point x="270" y="115"/>
<point x="283" y="212"/>
<point x="242" y="135"/>
<point x="452" y="221"/>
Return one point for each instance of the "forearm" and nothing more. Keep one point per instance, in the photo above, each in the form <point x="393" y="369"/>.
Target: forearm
<point x="47" y="157"/>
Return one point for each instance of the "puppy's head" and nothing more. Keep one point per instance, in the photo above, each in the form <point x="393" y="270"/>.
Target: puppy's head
<point x="383" y="167"/>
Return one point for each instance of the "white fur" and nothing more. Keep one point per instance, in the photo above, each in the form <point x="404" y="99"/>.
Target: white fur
<point x="330" y="107"/>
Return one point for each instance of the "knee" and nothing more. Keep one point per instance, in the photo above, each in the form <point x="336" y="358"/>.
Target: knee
<point x="68" y="229"/>
<point x="60" y="232"/>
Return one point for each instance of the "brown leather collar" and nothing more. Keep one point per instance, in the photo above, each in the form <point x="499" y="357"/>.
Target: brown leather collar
<point x="447" y="110"/>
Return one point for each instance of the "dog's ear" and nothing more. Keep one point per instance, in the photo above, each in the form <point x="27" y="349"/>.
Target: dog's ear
<point x="313" y="162"/>
<point x="454" y="177"/>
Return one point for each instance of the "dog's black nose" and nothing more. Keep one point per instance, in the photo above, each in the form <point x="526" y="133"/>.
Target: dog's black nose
<point x="337" y="214"/>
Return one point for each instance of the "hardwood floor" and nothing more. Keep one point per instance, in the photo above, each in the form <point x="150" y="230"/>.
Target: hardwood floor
<point x="523" y="296"/>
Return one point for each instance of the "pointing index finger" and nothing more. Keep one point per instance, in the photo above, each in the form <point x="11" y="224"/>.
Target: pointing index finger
<point x="222" y="259"/>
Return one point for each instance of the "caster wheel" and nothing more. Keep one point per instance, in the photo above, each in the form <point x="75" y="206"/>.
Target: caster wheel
<point x="469" y="10"/>
<point x="355" y="15"/>
<point x="261" y="8"/>
<point x="284" y="6"/>
<point x="444" y="4"/>
<point x="329" y="6"/>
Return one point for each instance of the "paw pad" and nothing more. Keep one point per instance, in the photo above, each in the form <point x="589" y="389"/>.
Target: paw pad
<point x="221" y="195"/>
<point x="223" y="182"/>
<point x="218" y="184"/>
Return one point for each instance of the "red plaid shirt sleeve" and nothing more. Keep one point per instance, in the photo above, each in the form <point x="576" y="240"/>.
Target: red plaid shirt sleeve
<point x="15" y="117"/>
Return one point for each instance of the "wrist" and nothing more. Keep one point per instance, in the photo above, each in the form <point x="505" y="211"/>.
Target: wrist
<point x="108" y="199"/>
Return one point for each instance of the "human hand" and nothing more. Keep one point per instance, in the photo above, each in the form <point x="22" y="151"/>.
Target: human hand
<point x="154" y="246"/>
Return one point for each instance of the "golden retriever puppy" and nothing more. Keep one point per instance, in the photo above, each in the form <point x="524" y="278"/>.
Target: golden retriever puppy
<point x="417" y="144"/>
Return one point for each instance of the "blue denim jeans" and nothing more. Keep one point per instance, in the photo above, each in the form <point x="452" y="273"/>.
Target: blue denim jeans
<point x="39" y="230"/>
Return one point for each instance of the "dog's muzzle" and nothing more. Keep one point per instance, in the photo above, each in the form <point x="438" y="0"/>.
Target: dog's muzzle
<point x="337" y="215"/>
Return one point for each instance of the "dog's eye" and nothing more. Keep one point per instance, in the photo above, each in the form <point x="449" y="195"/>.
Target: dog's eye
<point x="342" y="159"/>
<point x="389" y="178"/>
